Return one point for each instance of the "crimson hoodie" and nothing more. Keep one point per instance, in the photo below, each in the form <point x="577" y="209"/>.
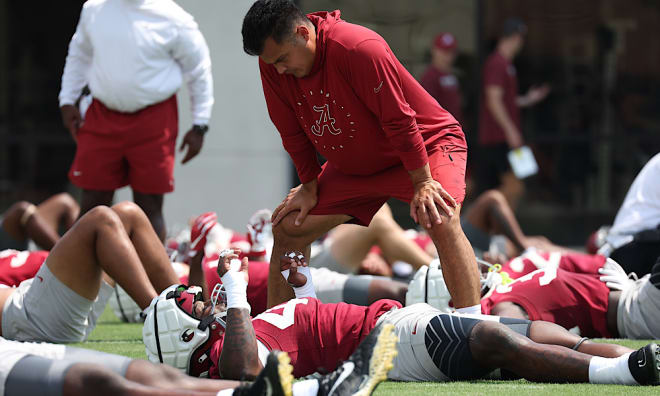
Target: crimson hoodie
<point x="358" y="107"/>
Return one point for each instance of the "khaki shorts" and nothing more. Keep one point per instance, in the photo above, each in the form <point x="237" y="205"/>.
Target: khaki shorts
<point x="44" y="309"/>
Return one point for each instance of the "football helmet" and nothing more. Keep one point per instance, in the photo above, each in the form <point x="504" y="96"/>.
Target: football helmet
<point x="174" y="336"/>
<point x="428" y="286"/>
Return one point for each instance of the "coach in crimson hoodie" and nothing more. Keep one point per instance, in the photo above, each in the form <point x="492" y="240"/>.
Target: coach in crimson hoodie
<point x="337" y="89"/>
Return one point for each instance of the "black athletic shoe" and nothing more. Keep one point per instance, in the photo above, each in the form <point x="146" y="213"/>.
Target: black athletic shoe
<point x="644" y="365"/>
<point x="365" y="368"/>
<point x="276" y="379"/>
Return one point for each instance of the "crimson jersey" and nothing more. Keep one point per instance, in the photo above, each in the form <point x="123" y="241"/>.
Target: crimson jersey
<point x="315" y="335"/>
<point x="572" y="262"/>
<point x="257" y="289"/>
<point x="358" y="106"/>
<point x="17" y="266"/>
<point x="560" y="295"/>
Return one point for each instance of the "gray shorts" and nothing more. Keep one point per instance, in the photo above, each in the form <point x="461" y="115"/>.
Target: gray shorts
<point x="45" y="309"/>
<point x="332" y="287"/>
<point x="36" y="375"/>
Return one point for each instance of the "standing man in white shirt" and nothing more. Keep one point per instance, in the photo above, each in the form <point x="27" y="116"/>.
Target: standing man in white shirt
<point x="634" y="239"/>
<point x="134" y="55"/>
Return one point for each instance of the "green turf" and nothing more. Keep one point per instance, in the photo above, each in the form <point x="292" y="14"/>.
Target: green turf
<point x="111" y="335"/>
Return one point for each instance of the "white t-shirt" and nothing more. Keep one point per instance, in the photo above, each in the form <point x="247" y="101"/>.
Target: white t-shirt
<point x="13" y="351"/>
<point x="135" y="53"/>
<point x="641" y="207"/>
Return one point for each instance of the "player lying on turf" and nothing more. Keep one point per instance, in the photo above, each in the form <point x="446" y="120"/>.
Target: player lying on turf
<point x="69" y="292"/>
<point x="32" y="369"/>
<point x="40" y="223"/>
<point x="433" y="346"/>
<point x="579" y="290"/>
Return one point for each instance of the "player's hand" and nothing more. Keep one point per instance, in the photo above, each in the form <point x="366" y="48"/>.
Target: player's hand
<point x="194" y="141"/>
<point x="302" y="198"/>
<point x="429" y="196"/>
<point x="537" y="93"/>
<point x="614" y="276"/>
<point x="226" y="263"/>
<point x="291" y="261"/>
<point x="200" y="229"/>
<point x="71" y="119"/>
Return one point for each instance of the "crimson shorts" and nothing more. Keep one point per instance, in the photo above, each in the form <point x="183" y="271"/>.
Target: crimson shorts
<point x="362" y="196"/>
<point x="118" y="149"/>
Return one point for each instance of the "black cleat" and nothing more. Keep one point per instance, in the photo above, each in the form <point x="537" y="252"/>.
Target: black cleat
<point x="276" y="379"/>
<point x="365" y="368"/>
<point x="644" y="365"/>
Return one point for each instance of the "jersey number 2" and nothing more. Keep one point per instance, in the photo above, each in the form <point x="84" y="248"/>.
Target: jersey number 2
<point x="286" y="318"/>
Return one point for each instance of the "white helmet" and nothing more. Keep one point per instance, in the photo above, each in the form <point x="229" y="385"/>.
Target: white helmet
<point x="172" y="335"/>
<point x="124" y="307"/>
<point x="428" y="286"/>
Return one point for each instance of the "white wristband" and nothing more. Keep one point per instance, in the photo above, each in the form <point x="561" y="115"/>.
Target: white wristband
<point x="306" y="290"/>
<point x="236" y="289"/>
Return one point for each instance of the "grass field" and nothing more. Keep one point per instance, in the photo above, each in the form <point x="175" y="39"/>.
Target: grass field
<point x="113" y="336"/>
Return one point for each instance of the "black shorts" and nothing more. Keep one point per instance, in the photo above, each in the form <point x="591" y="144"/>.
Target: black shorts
<point x="447" y="343"/>
<point x="492" y="162"/>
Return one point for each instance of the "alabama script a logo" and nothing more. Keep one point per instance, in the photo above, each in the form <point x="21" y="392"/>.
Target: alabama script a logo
<point x="324" y="122"/>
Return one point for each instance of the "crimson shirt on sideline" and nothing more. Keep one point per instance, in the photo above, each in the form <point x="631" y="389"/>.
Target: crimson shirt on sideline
<point x="358" y="107"/>
<point x="500" y="72"/>
<point x="445" y="89"/>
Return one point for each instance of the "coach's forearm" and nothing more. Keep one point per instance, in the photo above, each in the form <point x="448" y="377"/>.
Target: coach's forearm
<point x="420" y="175"/>
<point x="239" y="358"/>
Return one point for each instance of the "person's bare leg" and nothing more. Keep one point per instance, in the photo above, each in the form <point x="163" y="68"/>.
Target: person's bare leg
<point x="288" y="236"/>
<point x="351" y="244"/>
<point x="459" y="266"/>
<point x="93" y="198"/>
<point x="492" y="214"/>
<point x="98" y="242"/>
<point x="494" y="345"/>
<point x="60" y="210"/>
<point x="149" y="248"/>
<point x="86" y="379"/>
<point x="553" y="334"/>
<point x="512" y="188"/>
<point x="394" y="243"/>
<point x="163" y="376"/>
<point x="152" y="205"/>
<point x="21" y="221"/>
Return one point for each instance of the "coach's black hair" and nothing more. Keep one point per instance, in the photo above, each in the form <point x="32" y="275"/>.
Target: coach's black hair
<point x="268" y="18"/>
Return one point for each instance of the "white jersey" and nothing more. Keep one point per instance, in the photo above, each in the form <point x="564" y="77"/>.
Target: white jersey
<point x="641" y="208"/>
<point x="13" y="351"/>
<point x="136" y="53"/>
<point x="638" y="313"/>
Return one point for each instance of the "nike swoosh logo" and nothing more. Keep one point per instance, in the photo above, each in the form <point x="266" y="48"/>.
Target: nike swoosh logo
<point x="377" y="89"/>
<point x="642" y="362"/>
<point x="415" y="329"/>
<point x="348" y="370"/>
<point x="40" y="278"/>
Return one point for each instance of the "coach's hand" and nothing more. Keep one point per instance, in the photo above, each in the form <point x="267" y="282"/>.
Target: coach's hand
<point x="303" y="198"/>
<point x="194" y="140"/>
<point x="429" y="195"/>
<point x="71" y="119"/>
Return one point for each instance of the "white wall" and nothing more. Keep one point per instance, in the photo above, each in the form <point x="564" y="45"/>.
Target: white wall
<point x="242" y="166"/>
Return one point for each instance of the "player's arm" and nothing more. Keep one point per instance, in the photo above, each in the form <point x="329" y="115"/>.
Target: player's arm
<point x="495" y="104"/>
<point x="295" y="271"/>
<point x="239" y="358"/>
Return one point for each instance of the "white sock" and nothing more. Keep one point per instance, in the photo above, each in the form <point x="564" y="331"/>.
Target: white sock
<point x="610" y="371"/>
<point x="473" y="310"/>
<point x="225" y="392"/>
<point x="306" y="388"/>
